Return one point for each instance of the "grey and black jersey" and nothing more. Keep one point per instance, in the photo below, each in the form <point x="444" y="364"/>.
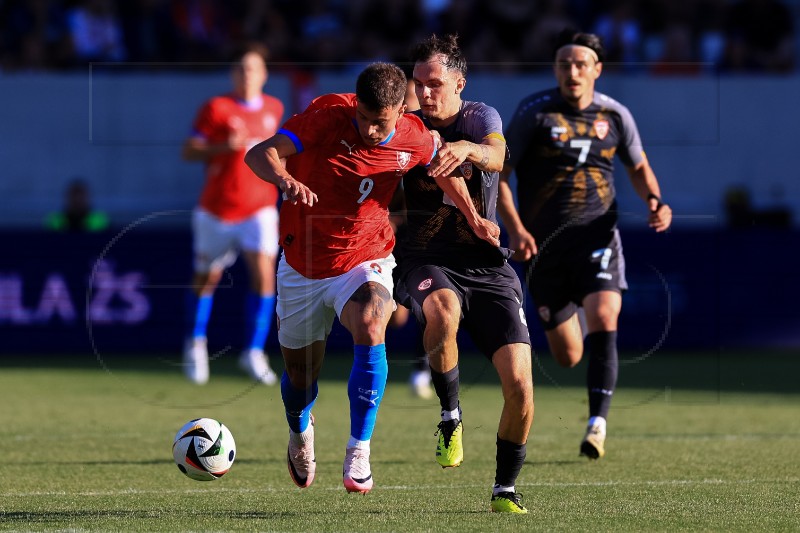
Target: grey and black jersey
<point x="564" y="160"/>
<point x="437" y="231"/>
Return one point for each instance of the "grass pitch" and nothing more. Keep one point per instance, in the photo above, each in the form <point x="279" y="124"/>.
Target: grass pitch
<point x="696" y="442"/>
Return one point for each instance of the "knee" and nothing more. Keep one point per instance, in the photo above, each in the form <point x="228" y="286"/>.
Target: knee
<point x="368" y="317"/>
<point x="519" y="393"/>
<point x="300" y="376"/>
<point x="442" y="310"/>
<point x="568" y="357"/>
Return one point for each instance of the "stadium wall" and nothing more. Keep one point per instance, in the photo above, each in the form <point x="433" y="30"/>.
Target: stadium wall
<point x="122" y="132"/>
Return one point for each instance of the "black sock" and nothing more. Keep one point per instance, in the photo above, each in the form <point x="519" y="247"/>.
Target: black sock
<point x="510" y="458"/>
<point x="446" y="387"/>
<point x="601" y="379"/>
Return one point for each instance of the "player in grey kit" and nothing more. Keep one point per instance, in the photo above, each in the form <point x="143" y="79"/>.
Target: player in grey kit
<point x="450" y="274"/>
<point x="562" y="143"/>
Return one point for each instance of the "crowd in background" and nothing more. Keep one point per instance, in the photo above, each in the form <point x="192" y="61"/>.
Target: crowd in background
<point x="656" y="36"/>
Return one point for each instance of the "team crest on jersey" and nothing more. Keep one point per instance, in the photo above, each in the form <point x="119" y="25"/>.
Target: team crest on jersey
<point x="403" y="158"/>
<point x="425" y="285"/>
<point x="544" y="312"/>
<point x="466" y="169"/>
<point x="558" y="134"/>
<point x="601" y="128"/>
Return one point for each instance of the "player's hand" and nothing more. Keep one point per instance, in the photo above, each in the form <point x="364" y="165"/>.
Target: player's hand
<point x="448" y="159"/>
<point x="296" y="192"/>
<point x="523" y="244"/>
<point x="660" y="216"/>
<point x="488" y="231"/>
<point x="238" y="140"/>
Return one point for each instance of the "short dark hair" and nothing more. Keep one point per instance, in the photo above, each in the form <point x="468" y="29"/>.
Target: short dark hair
<point x="447" y="46"/>
<point x="381" y="85"/>
<point x="242" y="49"/>
<point x="589" y="40"/>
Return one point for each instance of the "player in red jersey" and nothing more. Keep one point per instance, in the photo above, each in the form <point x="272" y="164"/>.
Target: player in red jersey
<point x="345" y="157"/>
<point x="237" y="212"/>
<point x="343" y="165"/>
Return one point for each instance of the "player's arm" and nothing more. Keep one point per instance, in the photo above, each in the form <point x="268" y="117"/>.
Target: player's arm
<point x="264" y="159"/>
<point x="519" y="239"/>
<point x="488" y="155"/>
<point x="456" y="188"/>
<point x="646" y="186"/>
<point x="197" y="148"/>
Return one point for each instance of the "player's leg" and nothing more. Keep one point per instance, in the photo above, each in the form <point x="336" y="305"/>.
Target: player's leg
<point x="199" y="302"/>
<point x="550" y="286"/>
<point x="364" y="303"/>
<point x="436" y="302"/>
<point x="513" y="364"/>
<point x="602" y="280"/>
<point x="212" y="254"/>
<point x="496" y="322"/>
<point x="565" y="339"/>
<point x="442" y="310"/>
<point x="305" y="323"/>
<point x="602" y="313"/>
<point x="299" y="392"/>
<point x="258" y="238"/>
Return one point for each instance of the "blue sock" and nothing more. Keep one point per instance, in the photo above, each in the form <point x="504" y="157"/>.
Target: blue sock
<point x="298" y="403"/>
<point x="258" y="319"/>
<point x="365" y="388"/>
<point x="198" y="311"/>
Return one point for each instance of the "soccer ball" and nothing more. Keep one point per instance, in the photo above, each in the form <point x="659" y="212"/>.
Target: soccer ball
<point x="204" y="449"/>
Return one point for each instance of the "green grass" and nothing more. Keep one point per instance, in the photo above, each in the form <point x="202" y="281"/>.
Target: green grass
<point x="696" y="442"/>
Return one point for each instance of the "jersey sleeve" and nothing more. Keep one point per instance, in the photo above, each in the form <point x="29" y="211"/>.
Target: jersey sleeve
<point x="206" y="121"/>
<point x="487" y="123"/>
<point x="312" y="128"/>
<point x="630" y="149"/>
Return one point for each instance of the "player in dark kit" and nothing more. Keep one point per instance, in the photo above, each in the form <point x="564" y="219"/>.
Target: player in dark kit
<point x="452" y="274"/>
<point x="562" y="143"/>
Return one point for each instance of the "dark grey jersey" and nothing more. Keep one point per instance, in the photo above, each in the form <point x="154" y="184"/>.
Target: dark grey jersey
<point x="437" y="231"/>
<point x="564" y="159"/>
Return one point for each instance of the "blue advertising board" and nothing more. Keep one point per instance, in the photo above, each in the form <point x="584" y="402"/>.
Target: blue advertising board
<point x="125" y="292"/>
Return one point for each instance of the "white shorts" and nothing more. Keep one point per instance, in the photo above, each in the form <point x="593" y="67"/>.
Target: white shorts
<point x="306" y="307"/>
<point x="217" y="243"/>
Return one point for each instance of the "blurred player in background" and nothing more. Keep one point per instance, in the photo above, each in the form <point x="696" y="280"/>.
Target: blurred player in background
<point x="237" y="213"/>
<point x="77" y="213"/>
<point x="345" y="157"/>
<point x="562" y="143"/>
<point x="452" y="275"/>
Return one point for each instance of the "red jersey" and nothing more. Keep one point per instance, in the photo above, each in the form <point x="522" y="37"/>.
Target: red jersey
<point x="354" y="183"/>
<point x="232" y="192"/>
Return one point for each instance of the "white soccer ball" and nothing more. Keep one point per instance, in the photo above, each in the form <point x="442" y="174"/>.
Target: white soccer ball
<point x="204" y="449"/>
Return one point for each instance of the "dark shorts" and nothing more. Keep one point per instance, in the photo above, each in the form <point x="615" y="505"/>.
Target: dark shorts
<point x="491" y="301"/>
<point x="560" y="278"/>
